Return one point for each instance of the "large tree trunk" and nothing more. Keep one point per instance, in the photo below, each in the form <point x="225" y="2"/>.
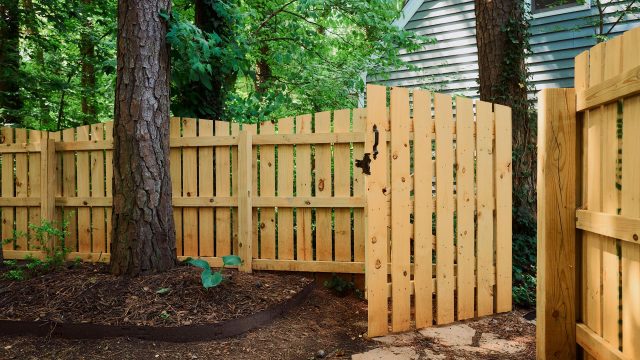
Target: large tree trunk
<point x="502" y="37"/>
<point x="209" y="20"/>
<point x="143" y="229"/>
<point x="10" y="102"/>
<point x="88" y="80"/>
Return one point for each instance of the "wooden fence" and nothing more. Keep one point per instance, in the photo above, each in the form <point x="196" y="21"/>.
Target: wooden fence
<point x="589" y="208"/>
<point x="288" y="195"/>
<point x="465" y="161"/>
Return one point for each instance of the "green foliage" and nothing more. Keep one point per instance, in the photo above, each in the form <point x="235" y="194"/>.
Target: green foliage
<point x="341" y="286"/>
<point x="212" y="278"/>
<point x="46" y="233"/>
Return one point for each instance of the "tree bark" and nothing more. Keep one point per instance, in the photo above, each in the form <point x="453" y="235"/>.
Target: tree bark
<point x="209" y="20"/>
<point x="10" y="102"/>
<point x="143" y="228"/>
<point x="88" y="78"/>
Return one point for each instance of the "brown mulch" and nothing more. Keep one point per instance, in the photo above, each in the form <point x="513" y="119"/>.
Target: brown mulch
<point x="88" y="293"/>
<point x="335" y="325"/>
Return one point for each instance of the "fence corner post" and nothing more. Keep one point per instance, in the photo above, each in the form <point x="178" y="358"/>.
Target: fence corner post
<point x="48" y="181"/>
<point x="245" y="242"/>
<point x="556" y="287"/>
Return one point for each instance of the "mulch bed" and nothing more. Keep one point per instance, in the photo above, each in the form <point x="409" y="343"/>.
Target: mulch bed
<point x="89" y="294"/>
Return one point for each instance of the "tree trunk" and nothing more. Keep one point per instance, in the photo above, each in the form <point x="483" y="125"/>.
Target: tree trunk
<point x="263" y="71"/>
<point x="209" y="20"/>
<point x="143" y="230"/>
<point x="10" y="102"/>
<point x="88" y="79"/>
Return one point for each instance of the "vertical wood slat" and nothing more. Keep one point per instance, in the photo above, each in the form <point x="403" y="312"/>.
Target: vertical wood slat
<point x="34" y="190"/>
<point x="324" y="251"/>
<point x="423" y="209"/>
<point x="97" y="168"/>
<point x="223" y="188"/>
<point x="69" y="189"/>
<point x="189" y="190"/>
<point x="7" y="189"/>
<point x="610" y="197"/>
<point x="83" y="176"/>
<point x="304" y="238"/>
<point x="503" y="208"/>
<point x="465" y="147"/>
<point x="342" y="186"/>
<point x="56" y="136"/>
<point x="108" y="158"/>
<point x="592" y="252"/>
<point x="244" y="194"/>
<point x="376" y="215"/>
<point x="359" y="118"/>
<point x="21" y="183"/>
<point x="484" y="176"/>
<point x="175" y="161"/>
<point x="235" y="130"/>
<point x="48" y="183"/>
<point x="285" y="189"/>
<point x="444" y="209"/>
<point x="400" y="214"/>
<point x="252" y="129"/>
<point x="556" y="327"/>
<point x="206" y="218"/>
<point x="631" y="203"/>
<point x="267" y="188"/>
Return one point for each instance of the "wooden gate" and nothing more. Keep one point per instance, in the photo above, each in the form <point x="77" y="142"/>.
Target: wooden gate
<point x="456" y="244"/>
<point x="589" y="207"/>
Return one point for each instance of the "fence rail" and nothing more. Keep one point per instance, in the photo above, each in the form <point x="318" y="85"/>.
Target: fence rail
<point x="589" y="207"/>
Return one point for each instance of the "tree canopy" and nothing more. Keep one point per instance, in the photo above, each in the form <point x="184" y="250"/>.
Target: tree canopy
<point x="246" y="60"/>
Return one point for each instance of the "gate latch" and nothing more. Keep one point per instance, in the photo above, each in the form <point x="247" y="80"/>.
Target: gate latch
<point x="364" y="164"/>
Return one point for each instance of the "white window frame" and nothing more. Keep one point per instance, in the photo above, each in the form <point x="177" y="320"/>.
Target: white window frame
<point x="585" y="6"/>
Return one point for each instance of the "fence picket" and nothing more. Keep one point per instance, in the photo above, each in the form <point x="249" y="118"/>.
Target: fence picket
<point x="303" y="188"/>
<point x="35" y="137"/>
<point x="423" y="209"/>
<point x="285" y="189"/>
<point x="206" y="173"/>
<point x="83" y="175"/>
<point x="21" y="182"/>
<point x="400" y="214"/>
<point x="189" y="189"/>
<point x="342" y="187"/>
<point x="98" y="190"/>
<point x="69" y="190"/>
<point x="235" y="131"/>
<point x="175" y="158"/>
<point x="223" y="188"/>
<point x="484" y="172"/>
<point x="444" y="209"/>
<point x="465" y="148"/>
<point x="376" y="215"/>
<point x="267" y="188"/>
<point x="7" y="190"/>
<point x="108" y="158"/>
<point x="323" y="189"/>
<point x="631" y="203"/>
<point x="359" y="118"/>
<point x="504" y="267"/>
<point x="252" y="129"/>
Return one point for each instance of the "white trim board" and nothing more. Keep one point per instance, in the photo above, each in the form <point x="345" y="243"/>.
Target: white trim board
<point x="409" y="9"/>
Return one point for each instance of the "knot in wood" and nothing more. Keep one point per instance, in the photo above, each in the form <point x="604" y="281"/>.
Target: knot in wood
<point x="635" y="237"/>
<point x="395" y="156"/>
<point x="321" y="185"/>
<point x="374" y="240"/>
<point x="378" y="264"/>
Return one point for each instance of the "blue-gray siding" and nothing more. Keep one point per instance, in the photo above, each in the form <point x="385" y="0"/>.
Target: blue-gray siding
<point x="451" y="65"/>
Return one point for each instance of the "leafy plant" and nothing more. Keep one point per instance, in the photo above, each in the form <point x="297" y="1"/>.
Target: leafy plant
<point x="15" y="275"/>
<point x="212" y="278"/>
<point x="341" y="286"/>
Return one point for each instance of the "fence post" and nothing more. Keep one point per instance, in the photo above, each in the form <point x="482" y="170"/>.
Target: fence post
<point x="245" y="242"/>
<point x="48" y="181"/>
<point x="556" y="291"/>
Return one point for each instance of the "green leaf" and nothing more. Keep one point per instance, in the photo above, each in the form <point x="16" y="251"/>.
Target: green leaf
<point x="163" y="291"/>
<point x="210" y="279"/>
<point x="199" y="263"/>
<point x="231" y="260"/>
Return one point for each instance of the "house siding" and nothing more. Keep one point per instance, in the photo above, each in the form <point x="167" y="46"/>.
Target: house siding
<point x="451" y="64"/>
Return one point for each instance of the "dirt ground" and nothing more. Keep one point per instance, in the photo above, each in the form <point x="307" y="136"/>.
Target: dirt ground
<point x="324" y="325"/>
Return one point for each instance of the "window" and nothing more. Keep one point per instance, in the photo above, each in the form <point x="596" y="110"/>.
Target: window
<point x="540" y="8"/>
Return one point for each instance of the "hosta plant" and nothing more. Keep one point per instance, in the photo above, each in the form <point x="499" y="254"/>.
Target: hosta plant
<point x="212" y="278"/>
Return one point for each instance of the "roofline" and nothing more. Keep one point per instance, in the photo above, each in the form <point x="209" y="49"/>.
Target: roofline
<point x="409" y="9"/>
